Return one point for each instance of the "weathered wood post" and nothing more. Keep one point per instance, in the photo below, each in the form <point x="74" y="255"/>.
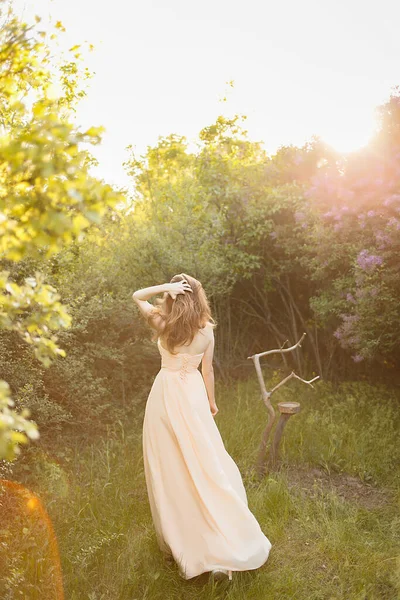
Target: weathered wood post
<point x="286" y="408"/>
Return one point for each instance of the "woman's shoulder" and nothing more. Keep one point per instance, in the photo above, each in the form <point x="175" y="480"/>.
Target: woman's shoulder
<point x="208" y="329"/>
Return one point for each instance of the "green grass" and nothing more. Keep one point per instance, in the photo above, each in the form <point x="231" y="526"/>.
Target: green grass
<point x="331" y="511"/>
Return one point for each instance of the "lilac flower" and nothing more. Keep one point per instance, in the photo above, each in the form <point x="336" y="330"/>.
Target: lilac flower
<point x="311" y="191"/>
<point x="350" y="298"/>
<point x="357" y="357"/>
<point x="273" y="234"/>
<point x="337" y="226"/>
<point x="368" y="261"/>
<point x="394" y="222"/>
<point x="299" y="216"/>
<point x="374" y="291"/>
<point x="391" y="199"/>
<point x="382" y="239"/>
<point x="345" y="333"/>
<point x="361" y="218"/>
<point x="350" y="318"/>
<point x="371" y="213"/>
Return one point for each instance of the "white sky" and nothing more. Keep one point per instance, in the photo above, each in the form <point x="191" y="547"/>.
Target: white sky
<point x="300" y="67"/>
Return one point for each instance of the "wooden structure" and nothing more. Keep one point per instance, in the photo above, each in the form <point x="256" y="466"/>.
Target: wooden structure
<point x="286" y="409"/>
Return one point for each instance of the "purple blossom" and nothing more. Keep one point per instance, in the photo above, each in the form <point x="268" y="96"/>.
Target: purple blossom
<point x="391" y="199"/>
<point x="273" y="234"/>
<point x="310" y="192"/>
<point x="299" y="216"/>
<point x="345" y="333"/>
<point x="374" y="291"/>
<point x="361" y="218"/>
<point x="350" y="318"/>
<point x="350" y="298"/>
<point x="382" y="239"/>
<point x="394" y="222"/>
<point x="357" y="357"/>
<point x="371" y="213"/>
<point x="324" y="182"/>
<point x="368" y="261"/>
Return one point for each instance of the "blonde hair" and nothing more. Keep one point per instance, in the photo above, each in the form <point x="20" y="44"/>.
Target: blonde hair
<point x="184" y="316"/>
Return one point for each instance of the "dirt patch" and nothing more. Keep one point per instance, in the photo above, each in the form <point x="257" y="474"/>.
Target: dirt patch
<point x="313" y="481"/>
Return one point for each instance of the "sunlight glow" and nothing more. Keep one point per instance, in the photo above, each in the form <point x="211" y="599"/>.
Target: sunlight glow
<point x="348" y="133"/>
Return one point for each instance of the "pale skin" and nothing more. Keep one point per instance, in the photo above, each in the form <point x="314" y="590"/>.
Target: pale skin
<point x="141" y="298"/>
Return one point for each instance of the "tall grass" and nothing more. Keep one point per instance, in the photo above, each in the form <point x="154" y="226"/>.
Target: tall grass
<point x="325" y="545"/>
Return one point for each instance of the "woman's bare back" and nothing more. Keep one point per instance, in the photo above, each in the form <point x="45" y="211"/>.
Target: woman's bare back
<point x="199" y="343"/>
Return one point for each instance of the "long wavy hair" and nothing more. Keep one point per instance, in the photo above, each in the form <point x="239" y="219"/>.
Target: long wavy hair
<point x="184" y="316"/>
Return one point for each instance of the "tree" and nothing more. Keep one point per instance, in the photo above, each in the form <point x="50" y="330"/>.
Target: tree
<point x="48" y="198"/>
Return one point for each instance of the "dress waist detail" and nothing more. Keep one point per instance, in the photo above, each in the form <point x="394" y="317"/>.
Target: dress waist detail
<point x="183" y="363"/>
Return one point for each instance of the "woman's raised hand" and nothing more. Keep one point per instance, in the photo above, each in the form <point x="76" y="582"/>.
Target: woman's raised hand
<point x="178" y="287"/>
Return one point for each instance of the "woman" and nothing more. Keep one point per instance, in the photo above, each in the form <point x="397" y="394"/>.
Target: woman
<point x="196" y="493"/>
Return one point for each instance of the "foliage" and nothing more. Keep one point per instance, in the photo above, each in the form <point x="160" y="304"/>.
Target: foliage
<point x="305" y="240"/>
<point x="47" y="197"/>
<point x="354" y="246"/>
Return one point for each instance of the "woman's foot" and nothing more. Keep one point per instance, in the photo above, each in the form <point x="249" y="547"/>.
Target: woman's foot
<point x="220" y="574"/>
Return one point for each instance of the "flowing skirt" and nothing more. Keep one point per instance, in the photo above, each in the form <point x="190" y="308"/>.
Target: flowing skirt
<point x="196" y="494"/>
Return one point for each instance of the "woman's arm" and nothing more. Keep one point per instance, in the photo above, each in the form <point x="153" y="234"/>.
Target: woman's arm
<point x="140" y="297"/>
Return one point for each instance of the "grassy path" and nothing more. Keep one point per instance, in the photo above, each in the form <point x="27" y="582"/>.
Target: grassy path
<point x="331" y="511"/>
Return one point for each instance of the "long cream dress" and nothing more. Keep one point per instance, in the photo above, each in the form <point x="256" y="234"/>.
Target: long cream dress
<point x="196" y="494"/>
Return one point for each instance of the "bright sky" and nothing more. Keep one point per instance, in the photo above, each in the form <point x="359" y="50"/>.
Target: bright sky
<point x="300" y="67"/>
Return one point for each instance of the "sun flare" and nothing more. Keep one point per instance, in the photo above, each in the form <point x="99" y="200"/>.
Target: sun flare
<point x="349" y="133"/>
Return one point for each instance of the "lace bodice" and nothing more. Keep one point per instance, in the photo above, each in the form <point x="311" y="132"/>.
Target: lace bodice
<point x="183" y="362"/>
